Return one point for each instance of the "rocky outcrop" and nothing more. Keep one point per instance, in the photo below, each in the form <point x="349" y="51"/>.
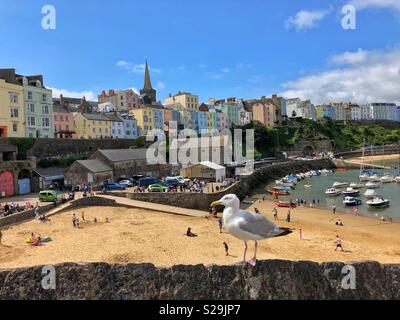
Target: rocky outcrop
<point x="269" y="280"/>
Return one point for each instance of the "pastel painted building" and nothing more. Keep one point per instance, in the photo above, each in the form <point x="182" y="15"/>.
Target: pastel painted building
<point x="171" y="120"/>
<point x="383" y="111"/>
<point x="184" y="101"/>
<point x="131" y="130"/>
<point x="145" y="119"/>
<point x="123" y="100"/>
<point x="116" y="124"/>
<point x="232" y="111"/>
<point x="265" y="113"/>
<point x="63" y="123"/>
<point x="158" y="121"/>
<point x="203" y="120"/>
<point x="223" y="122"/>
<point x="38" y="108"/>
<point x="92" y="126"/>
<point x="12" y="111"/>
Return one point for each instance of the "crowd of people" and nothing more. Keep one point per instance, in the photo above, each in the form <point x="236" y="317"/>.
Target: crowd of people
<point x="12" y="208"/>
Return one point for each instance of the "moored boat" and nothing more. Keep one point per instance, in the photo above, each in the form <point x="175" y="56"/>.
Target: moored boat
<point x="340" y="184"/>
<point x="278" y="193"/>
<point x="285" y="204"/>
<point x="351" y="192"/>
<point x="370" y="194"/>
<point x="352" y="202"/>
<point x="356" y="185"/>
<point x="333" y="192"/>
<point x="378" y="202"/>
<point x="387" y="179"/>
<point x="373" y="185"/>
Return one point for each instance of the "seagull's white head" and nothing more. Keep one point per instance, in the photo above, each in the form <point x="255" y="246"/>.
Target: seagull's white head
<point x="229" y="201"/>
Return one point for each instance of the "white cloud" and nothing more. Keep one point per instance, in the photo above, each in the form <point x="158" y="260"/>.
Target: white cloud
<point x="225" y="70"/>
<point x="363" y="4"/>
<point x="182" y="68"/>
<point x="362" y="77"/>
<point x="305" y="19"/>
<point x="243" y="66"/>
<point x="160" y="85"/>
<point x="135" y="68"/>
<point x="89" y="95"/>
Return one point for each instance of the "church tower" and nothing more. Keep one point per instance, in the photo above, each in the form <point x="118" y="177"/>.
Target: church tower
<point x="148" y="89"/>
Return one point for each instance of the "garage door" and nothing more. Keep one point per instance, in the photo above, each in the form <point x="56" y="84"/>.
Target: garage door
<point x="6" y="184"/>
<point x="24" y="186"/>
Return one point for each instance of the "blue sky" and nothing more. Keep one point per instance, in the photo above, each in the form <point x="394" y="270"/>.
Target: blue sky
<point x="211" y="48"/>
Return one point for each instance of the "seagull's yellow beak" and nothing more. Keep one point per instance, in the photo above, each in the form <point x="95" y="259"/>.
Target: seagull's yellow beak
<point x="216" y="203"/>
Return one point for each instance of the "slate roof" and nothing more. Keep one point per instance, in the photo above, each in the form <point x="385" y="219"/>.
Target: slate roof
<point x="95" y="166"/>
<point x="118" y="155"/>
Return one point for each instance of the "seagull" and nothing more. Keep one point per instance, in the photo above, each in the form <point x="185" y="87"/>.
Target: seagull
<point x="247" y="226"/>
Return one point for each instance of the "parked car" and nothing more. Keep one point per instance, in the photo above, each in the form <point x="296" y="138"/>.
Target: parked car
<point x="158" y="188"/>
<point x="146" y="182"/>
<point x="113" y="186"/>
<point x="173" y="183"/>
<point x="48" y="196"/>
<point x="126" y="182"/>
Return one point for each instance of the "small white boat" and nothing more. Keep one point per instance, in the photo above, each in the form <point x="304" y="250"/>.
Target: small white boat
<point x="387" y="179"/>
<point x="333" y="192"/>
<point x="397" y="179"/>
<point x="373" y="185"/>
<point x="340" y="184"/>
<point x="356" y="185"/>
<point x="352" y="202"/>
<point x="364" y="177"/>
<point x="351" y="192"/>
<point x="378" y="202"/>
<point x="374" y="178"/>
<point x="370" y="194"/>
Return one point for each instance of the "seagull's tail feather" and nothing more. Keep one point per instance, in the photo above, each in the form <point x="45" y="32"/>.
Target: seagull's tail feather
<point x="284" y="232"/>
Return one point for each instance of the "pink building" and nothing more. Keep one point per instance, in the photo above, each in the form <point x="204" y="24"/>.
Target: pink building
<point x="63" y="123"/>
<point x="123" y="100"/>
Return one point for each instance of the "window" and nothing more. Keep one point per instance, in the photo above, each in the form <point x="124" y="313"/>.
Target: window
<point x="61" y="118"/>
<point x="67" y="127"/>
<point x="13" y="97"/>
<point x="31" y="121"/>
<point x="45" y="109"/>
<point x="44" y="97"/>
<point x="128" y="133"/>
<point x="46" y="122"/>
<point x="15" y="127"/>
<point x="30" y="95"/>
<point x="31" y="107"/>
<point x="14" y="112"/>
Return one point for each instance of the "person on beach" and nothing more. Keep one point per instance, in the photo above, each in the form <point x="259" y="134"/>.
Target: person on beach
<point x="83" y="215"/>
<point x="256" y="211"/>
<point x="190" y="234"/>
<point x="289" y="216"/>
<point x="107" y="220"/>
<point x="338" y="242"/>
<point x="74" y="220"/>
<point x="334" y="209"/>
<point x="226" y="249"/>
<point x="77" y="223"/>
<point x="301" y="234"/>
<point x="1" y="236"/>
<point x="37" y="212"/>
<point x="275" y="213"/>
<point x="220" y="223"/>
<point x="340" y="223"/>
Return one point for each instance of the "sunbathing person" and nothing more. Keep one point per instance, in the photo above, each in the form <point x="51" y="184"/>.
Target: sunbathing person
<point x="191" y="234"/>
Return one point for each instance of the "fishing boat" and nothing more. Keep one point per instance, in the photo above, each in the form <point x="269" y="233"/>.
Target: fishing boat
<point x="333" y="192"/>
<point x="340" y="184"/>
<point x="285" y="204"/>
<point x="355" y="185"/>
<point x="352" y="202"/>
<point x="278" y="193"/>
<point x="351" y="192"/>
<point x="373" y="185"/>
<point x="370" y="194"/>
<point x="378" y="202"/>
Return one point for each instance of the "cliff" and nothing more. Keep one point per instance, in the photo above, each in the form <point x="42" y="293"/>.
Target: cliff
<point x="273" y="279"/>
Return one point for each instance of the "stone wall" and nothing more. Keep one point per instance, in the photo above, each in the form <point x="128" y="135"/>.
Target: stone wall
<point x="23" y="216"/>
<point x="52" y="148"/>
<point x="269" y="280"/>
<point x="242" y="189"/>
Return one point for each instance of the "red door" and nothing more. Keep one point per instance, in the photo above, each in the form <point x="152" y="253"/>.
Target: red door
<point x="6" y="184"/>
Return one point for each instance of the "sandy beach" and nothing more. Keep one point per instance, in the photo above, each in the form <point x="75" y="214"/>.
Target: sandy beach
<point x="137" y="236"/>
<point x="374" y="159"/>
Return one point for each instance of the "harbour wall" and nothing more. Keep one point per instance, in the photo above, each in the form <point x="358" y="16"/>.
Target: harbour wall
<point x="201" y="201"/>
<point x="269" y="280"/>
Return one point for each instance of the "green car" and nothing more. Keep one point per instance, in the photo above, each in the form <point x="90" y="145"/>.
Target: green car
<point x="158" y="188"/>
<point x="48" y="196"/>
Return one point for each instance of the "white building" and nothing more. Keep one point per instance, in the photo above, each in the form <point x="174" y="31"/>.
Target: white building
<point x="130" y="130"/>
<point x="383" y="111"/>
<point x="365" y="112"/>
<point x="296" y="108"/>
<point x="355" y="113"/>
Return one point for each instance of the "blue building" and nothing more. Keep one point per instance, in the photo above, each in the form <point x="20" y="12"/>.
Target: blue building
<point x="202" y="121"/>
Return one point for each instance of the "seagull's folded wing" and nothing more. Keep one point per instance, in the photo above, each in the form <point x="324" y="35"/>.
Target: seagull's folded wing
<point x="258" y="225"/>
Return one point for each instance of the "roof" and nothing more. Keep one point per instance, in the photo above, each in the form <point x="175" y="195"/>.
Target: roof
<point x="210" y="165"/>
<point x="94" y="166"/>
<point x="113" y="117"/>
<point x="8" y="148"/>
<point x="95" y="116"/>
<point x="51" y="172"/>
<point x="118" y="155"/>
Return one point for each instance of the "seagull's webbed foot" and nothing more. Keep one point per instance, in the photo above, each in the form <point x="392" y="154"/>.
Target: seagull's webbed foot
<point x="252" y="262"/>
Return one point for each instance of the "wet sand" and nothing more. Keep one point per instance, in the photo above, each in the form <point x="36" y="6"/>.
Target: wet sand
<point x="137" y="236"/>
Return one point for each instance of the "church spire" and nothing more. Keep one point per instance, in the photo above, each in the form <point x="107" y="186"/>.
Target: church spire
<point x="148" y="93"/>
<point x="147" y="81"/>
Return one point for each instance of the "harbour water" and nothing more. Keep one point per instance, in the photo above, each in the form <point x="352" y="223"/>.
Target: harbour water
<point x="318" y="185"/>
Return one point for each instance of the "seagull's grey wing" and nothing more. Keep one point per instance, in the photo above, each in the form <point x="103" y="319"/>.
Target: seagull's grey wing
<point x="258" y="225"/>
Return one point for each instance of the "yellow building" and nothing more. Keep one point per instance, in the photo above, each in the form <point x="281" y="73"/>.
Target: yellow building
<point x="185" y="100"/>
<point x="144" y="118"/>
<point x="92" y="126"/>
<point x="12" y="111"/>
